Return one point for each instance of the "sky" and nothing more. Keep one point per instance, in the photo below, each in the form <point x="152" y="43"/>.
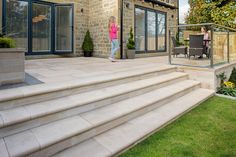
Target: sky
<point x="183" y="10"/>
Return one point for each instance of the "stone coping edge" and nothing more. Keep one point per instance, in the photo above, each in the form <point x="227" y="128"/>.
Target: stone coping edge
<point x="23" y="92"/>
<point x="12" y="50"/>
<point x="225" y="96"/>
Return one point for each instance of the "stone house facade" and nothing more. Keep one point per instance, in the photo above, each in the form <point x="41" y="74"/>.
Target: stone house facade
<point x="148" y="18"/>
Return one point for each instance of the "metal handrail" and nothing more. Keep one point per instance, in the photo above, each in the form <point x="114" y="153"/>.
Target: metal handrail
<point x="190" y="25"/>
<point x="229" y="28"/>
<point x="202" y="24"/>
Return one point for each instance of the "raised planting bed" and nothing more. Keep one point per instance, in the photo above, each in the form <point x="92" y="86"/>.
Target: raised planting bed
<point x="12" y="65"/>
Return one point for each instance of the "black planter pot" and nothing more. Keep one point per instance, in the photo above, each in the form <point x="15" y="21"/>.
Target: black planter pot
<point x="87" y="54"/>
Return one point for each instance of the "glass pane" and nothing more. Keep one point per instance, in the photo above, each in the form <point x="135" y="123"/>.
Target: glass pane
<point x="41" y="24"/>
<point x="140" y="29"/>
<point x="17" y="22"/>
<point x="1" y="17"/>
<point x="151" y="22"/>
<point x="232" y="46"/>
<point x="64" y="28"/>
<point x="161" y="32"/>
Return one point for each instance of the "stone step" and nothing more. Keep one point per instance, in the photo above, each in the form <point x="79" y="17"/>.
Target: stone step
<point x="119" y="139"/>
<point x="11" y="98"/>
<point x="30" y="116"/>
<point x="59" y="135"/>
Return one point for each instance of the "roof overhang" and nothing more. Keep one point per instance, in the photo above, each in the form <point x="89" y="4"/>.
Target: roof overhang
<point x="154" y="2"/>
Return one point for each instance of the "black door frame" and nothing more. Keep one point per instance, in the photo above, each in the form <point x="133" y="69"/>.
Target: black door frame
<point x="146" y="29"/>
<point x="72" y="29"/>
<point x="52" y="27"/>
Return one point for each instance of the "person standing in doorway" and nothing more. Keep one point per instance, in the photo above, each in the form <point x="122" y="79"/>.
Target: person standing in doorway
<point x="113" y="37"/>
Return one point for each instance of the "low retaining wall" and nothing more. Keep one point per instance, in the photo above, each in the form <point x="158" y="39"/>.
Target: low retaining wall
<point x="12" y="66"/>
<point x="208" y="76"/>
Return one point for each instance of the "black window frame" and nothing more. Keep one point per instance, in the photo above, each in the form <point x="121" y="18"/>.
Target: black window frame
<point x="146" y="29"/>
<point x="52" y="26"/>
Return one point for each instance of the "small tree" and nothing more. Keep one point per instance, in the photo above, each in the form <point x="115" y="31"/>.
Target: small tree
<point x="233" y="76"/>
<point x="88" y="43"/>
<point x="131" y="43"/>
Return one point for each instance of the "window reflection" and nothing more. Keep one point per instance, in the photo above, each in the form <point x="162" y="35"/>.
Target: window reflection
<point x="0" y="18"/>
<point x="64" y="28"/>
<point x="151" y="24"/>
<point x="150" y="30"/>
<point x="17" y="22"/>
<point x="161" y="32"/>
<point x="140" y="29"/>
<point x="41" y="26"/>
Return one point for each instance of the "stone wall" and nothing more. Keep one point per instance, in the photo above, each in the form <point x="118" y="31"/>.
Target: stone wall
<point x="95" y="17"/>
<point x="99" y="13"/>
<point x="12" y="66"/>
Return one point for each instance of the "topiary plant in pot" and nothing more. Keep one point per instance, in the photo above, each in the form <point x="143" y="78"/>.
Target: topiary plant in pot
<point x="87" y="45"/>
<point x="130" y="45"/>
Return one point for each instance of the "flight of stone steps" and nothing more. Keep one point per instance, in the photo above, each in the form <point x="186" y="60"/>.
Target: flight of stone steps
<point x="96" y="116"/>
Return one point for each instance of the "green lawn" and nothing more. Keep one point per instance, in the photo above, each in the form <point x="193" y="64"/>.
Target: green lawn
<point x="207" y="131"/>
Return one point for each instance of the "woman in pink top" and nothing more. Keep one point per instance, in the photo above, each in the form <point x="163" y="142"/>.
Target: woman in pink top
<point x="113" y="36"/>
<point x="205" y="38"/>
<point x="206" y="35"/>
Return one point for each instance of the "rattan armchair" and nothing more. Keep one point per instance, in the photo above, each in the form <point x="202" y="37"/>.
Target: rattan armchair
<point x="176" y="50"/>
<point x="196" y="45"/>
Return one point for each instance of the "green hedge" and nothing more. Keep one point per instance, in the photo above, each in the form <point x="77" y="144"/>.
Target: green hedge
<point x="6" y="42"/>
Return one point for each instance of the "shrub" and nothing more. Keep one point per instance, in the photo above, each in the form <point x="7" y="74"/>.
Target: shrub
<point x="131" y="44"/>
<point x="88" y="43"/>
<point x="6" y="42"/>
<point x="177" y="39"/>
<point x="229" y="84"/>
<point x="233" y="76"/>
<point x="222" y="78"/>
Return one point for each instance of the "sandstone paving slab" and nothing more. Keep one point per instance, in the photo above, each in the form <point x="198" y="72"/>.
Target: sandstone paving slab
<point x="21" y="144"/>
<point x="60" y="130"/>
<point x="89" y="148"/>
<point x="127" y="134"/>
<point x="3" y="149"/>
<point x="113" y="111"/>
<point x="52" y="106"/>
<point x="26" y="91"/>
<point x="14" y="115"/>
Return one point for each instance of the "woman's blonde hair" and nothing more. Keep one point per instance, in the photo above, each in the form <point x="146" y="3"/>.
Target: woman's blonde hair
<point x="204" y="28"/>
<point x="111" y="19"/>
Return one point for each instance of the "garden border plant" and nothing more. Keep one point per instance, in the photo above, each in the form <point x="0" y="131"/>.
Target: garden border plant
<point x="131" y="45"/>
<point x="6" y="42"/>
<point x="227" y="88"/>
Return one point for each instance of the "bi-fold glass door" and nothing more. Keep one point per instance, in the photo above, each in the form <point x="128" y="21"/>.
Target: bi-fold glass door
<point x="15" y="21"/>
<point x="41" y="27"/>
<point x="63" y="28"/>
<point x="38" y="26"/>
<point x="150" y="30"/>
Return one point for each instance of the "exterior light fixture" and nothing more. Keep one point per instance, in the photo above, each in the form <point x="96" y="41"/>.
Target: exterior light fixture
<point x="127" y="5"/>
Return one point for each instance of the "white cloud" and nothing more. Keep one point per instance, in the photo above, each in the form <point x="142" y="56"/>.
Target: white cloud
<point x="183" y="10"/>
